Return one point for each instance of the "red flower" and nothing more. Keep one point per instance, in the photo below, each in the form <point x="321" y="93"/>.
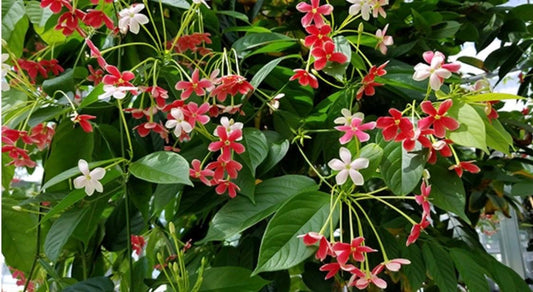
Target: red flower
<point x="95" y="75"/>
<point x="231" y="167"/>
<point x="231" y="84"/>
<point x="465" y="165"/>
<point x="304" y="78"/>
<point x="41" y="136"/>
<point x="355" y="249"/>
<point x="197" y="172"/>
<point x="51" y="66"/>
<point x="137" y="243"/>
<point x="368" y="83"/>
<point x="410" y="139"/>
<point x="136" y="113"/>
<point x="317" y="36"/>
<point x="391" y="125"/>
<point x="437" y="118"/>
<point x="492" y="114"/>
<point x="32" y="68"/>
<point x="159" y="94"/>
<point x="324" y="247"/>
<point x="83" y="120"/>
<point x="96" y="18"/>
<point x="68" y="22"/>
<point x="227" y="142"/>
<point x="313" y="12"/>
<point x="325" y="54"/>
<point x="56" y="5"/>
<point x="226" y="185"/>
<point x="145" y="128"/>
<point x="20" y="156"/>
<point x="196" y="85"/>
<point x="117" y="78"/>
<point x="334" y="268"/>
<point x="415" y="231"/>
<point x="95" y="53"/>
<point x="190" y="42"/>
<point x="195" y="114"/>
<point x="442" y="147"/>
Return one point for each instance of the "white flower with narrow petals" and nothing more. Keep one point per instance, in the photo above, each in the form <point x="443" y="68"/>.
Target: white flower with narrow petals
<point x="131" y="19"/>
<point x="118" y="92"/>
<point x="361" y="6"/>
<point x="89" y="179"/>
<point x="178" y="123"/>
<point x="347" y="167"/>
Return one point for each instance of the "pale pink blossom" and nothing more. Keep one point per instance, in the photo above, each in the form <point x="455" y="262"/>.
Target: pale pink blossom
<point x="383" y="40"/>
<point x="437" y="70"/>
<point x="130" y="18"/>
<point x="89" y="179"/>
<point x="347" y="167"/>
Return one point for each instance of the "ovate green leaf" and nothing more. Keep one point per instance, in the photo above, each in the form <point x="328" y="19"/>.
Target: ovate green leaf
<point x="402" y="170"/>
<point x="230" y="279"/>
<point x="471" y="132"/>
<point x="162" y="167"/>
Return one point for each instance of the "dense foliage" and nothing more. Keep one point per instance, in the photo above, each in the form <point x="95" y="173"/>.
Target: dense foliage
<point x="219" y="145"/>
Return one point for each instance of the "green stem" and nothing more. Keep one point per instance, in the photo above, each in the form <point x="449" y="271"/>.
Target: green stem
<point x="127" y="45"/>
<point x="128" y="232"/>
<point x="313" y="167"/>
<point x="125" y="124"/>
<point x="392" y="207"/>
<point x="383" y="252"/>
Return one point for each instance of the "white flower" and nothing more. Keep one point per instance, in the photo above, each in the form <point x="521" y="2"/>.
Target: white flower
<point x="230" y="125"/>
<point x="361" y="6"/>
<point x="201" y="2"/>
<point x="179" y="124"/>
<point x="347" y="117"/>
<point x="89" y="180"/>
<point x="118" y="92"/>
<point x="346" y="167"/>
<point x="131" y="18"/>
<point x="274" y="102"/>
<point x="3" y="72"/>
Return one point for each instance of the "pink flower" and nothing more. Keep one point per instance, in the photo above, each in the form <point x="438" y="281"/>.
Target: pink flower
<point x="326" y="54"/>
<point x="117" y="78"/>
<point x="423" y="198"/>
<point x="95" y="53"/>
<point x="197" y="172"/>
<point x="196" y="114"/>
<point x="231" y="84"/>
<point x="355" y="128"/>
<point x="317" y="36"/>
<point x="410" y="139"/>
<point x="368" y="83"/>
<point x="391" y="125"/>
<point x="324" y="247"/>
<point x="231" y="167"/>
<point x="334" y="268"/>
<point x="394" y="265"/>
<point x="465" y="165"/>
<point x="442" y="147"/>
<point x="363" y="282"/>
<point x="347" y="167"/>
<point x="343" y="251"/>
<point x="313" y="12"/>
<point x="438" y="118"/>
<point x="196" y="85"/>
<point x="145" y="128"/>
<point x="437" y="71"/>
<point x="304" y="78"/>
<point x="383" y="40"/>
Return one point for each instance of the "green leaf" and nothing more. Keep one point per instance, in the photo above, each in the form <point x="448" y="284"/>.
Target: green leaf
<point x="65" y="82"/>
<point x="92" y="97"/>
<point x="74" y="171"/>
<point x="416" y="271"/>
<point x="234" y="14"/>
<point x="77" y="195"/>
<point x="472" y="61"/>
<point x="447" y="190"/>
<point x="8" y="171"/>
<point x="174" y="3"/>
<point x="524" y="12"/>
<point x="38" y="15"/>
<point x="258" y="29"/>
<point x="374" y="154"/>
<point x="162" y="167"/>
<point x="273" y="47"/>
<point x="491" y="97"/>
<point x="163" y="195"/>
<point x="505" y="277"/>
<point x="497" y="137"/>
<point x="472" y="273"/>
<point x="12" y="12"/>
<point x="256" y="148"/>
<point x="96" y="284"/>
<point x="277" y="149"/>
<point x="61" y="231"/>
<point x="446" y="30"/>
<point x="471" y="132"/>
<point x="253" y="40"/>
<point x="230" y="279"/>
<point x="260" y="75"/>
<point x="18" y="236"/>
<point x="281" y="248"/>
<point x="337" y="70"/>
<point x="240" y="213"/>
<point x="440" y="266"/>
<point x="522" y="189"/>
<point x="46" y="114"/>
<point x="402" y="170"/>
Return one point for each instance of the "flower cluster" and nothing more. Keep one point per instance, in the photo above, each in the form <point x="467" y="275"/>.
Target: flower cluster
<point x="21" y="279"/>
<point x="344" y="254"/>
<point x="39" y="136"/>
<point x="137" y="243"/>
<point x="42" y="67"/>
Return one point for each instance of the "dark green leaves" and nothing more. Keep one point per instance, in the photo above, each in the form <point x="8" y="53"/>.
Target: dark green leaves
<point x="280" y="247"/>
<point x="440" y="266"/>
<point x="97" y="284"/>
<point x="471" y="131"/>
<point x="162" y="167"/>
<point x="240" y="214"/>
<point x="256" y="148"/>
<point x="230" y="279"/>
<point x="60" y="232"/>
